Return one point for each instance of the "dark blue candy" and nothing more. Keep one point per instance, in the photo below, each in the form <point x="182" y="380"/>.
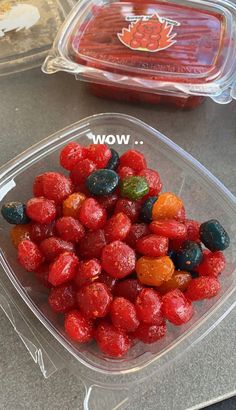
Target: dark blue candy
<point x="189" y="257"/>
<point x="102" y="182"/>
<point x="214" y="236"/>
<point x="14" y="213"/>
<point x="114" y="160"/>
<point x="146" y="209"/>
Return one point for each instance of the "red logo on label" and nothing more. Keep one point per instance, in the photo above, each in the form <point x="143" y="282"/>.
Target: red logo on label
<point x="153" y="34"/>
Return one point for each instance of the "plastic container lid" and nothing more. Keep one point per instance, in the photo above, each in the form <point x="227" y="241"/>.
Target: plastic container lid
<point x="186" y="46"/>
<point x="27" y="30"/>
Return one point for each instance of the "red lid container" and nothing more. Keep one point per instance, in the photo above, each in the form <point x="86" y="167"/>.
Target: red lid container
<point x="150" y="51"/>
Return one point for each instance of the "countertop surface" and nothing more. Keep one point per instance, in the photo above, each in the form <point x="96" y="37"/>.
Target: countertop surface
<point x="33" y="106"/>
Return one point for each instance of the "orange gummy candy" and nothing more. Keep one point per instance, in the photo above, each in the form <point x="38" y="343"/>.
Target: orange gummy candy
<point x="153" y="271"/>
<point x="179" y="280"/>
<point x="19" y="233"/>
<point x="72" y="204"/>
<point x="166" y="206"/>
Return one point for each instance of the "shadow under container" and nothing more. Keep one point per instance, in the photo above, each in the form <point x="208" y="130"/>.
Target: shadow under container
<point x="175" y="52"/>
<point x="109" y="381"/>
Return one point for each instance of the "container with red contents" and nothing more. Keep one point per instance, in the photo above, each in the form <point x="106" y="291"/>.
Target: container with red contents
<point x="158" y="52"/>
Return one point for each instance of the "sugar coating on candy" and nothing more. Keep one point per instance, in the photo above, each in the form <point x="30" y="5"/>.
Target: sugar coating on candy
<point x="176" y="307"/>
<point x="130" y="208"/>
<point x="82" y="170"/>
<point x="150" y="333"/>
<point x="15" y="213"/>
<point x="112" y="341"/>
<point x="204" y="287"/>
<point x="148" y="306"/>
<point x="62" y="298"/>
<point x="92" y="215"/>
<point x="29" y="255"/>
<point x="53" y="185"/>
<point x="70" y="229"/>
<point x="125" y="172"/>
<point x="53" y="247"/>
<point x="108" y="201"/>
<point x="39" y="231"/>
<point x="153" y="271"/>
<point x="146" y="209"/>
<point x="94" y="300"/>
<point x="153" y="245"/>
<point x="92" y="244"/>
<point x="63" y="269"/>
<point x="100" y="154"/>
<point x="167" y="206"/>
<point x="212" y="264"/>
<point x="153" y="179"/>
<point x="71" y="205"/>
<point x="134" y="187"/>
<point x="128" y="289"/>
<point x="78" y="328"/>
<point x="87" y="272"/>
<point x="114" y="161"/>
<point x="189" y="256"/>
<point x="118" y="259"/>
<point x="19" y="233"/>
<point x="214" y="236"/>
<point x="102" y="182"/>
<point x="133" y="159"/>
<point x="71" y="154"/>
<point x="124" y="315"/>
<point x="117" y="227"/>
<point x="41" y="210"/>
<point x="171" y="229"/>
<point x="136" y="232"/>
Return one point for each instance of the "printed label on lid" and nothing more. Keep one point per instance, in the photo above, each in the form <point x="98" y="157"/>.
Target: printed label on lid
<point x="148" y="33"/>
<point x="17" y="17"/>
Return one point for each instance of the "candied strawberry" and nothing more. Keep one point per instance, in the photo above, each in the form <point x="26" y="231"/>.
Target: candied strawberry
<point x="108" y="201"/>
<point x="62" y="298"/>
<point x="63" y="269"/>
<point x="125" y="172"/>
<point x="82" y="170"/>
<point x="148" y="306"/>
<point x="136" y="232"/>
<point x="41" y="273"/>
<point x="117" y="227"/>
<point x="213" y="263"/>
<point x="133" y="159"/>
<point x="39" y="232"/>
<point x="123" y="315"/>
<point x="150" y="333"/>
<point x="92" y="245"/>
<point x="54" y="186"/>
<point x="71" y="154"/>
<point x="100" y="154"/>
<point x="118" y="259"/>
<point x="87" y="272"/>
<point x="69" y="229"/>
<point x="52" y="247"/>
<point x="153" y="180"/>
<point x="41" y="210"/>
<point x="94" y="300"/>
<point x="176" y="307"/>
<point x="171" y="229"/>
<point x="204" y="287"/>
<point x="193" y="230"/>
<point x="108" y="280"/>
<point x="128" y="289"/>
<point x="152" y="245"/>
<point x="112" y="341"/>
<point x="78" y="327"/>
<point x="92" y="215"/>
<point x="29" y="255"/>
<point x="130" y="208"/>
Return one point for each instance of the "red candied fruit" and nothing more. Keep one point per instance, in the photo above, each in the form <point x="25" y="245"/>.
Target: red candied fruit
<point x="153" y="180"/>
<point x="92" y="245"/>
<point x="87" y="272"/>
<point x="176" y="307"/>
<point x="82" y="170"/>
<point x="92" y="215"/>
<point x="118" y="259"/>
<point x="41" y="274"/>
<point x="148" y="306"/>
<point x="53" y="246"/>
<point x="123" y="315"/>
<point x="136" y="232"/>
<point x="193" y="230"/>
<point x="153" y="245"/>
<point x="112" y="341"/>
<point x="204" y="287"/>
<point x="100" y="154"/>
<point x="172" y="229"/>
<point x="69" y="229"/>
<point x="117" y="227"/>
<point x="71" y="154"/>
<point x="41" y="210"/>
<point x="125" y="172"/>
<point x="39" y="232"/>
<point x="150" y="333"/>
<point x="108" y="201"/>
<point x="108" y="280"/>
<point x="128" y="289"/>
<point x="62" y="298"/>
<point x="181" y="215"/>
<point x="63" y="269"/>
<point x="78" y="327"/>
<point x="94" y="300"/>
<point x="213" y="263"/>
<point x="130" y="208"/>
<point x="53" y="185"/>
<point x="133" y="159"/>
<point x="29" y="255"/>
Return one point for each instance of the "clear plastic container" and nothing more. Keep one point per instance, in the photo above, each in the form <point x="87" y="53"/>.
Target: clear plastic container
<point x="108" y="381"/>
<point x="27" y="31"/>
<point x="158" y="52"/>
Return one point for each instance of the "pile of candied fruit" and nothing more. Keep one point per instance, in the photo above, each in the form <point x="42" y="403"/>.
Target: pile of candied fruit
<point x="119" y="258"/>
